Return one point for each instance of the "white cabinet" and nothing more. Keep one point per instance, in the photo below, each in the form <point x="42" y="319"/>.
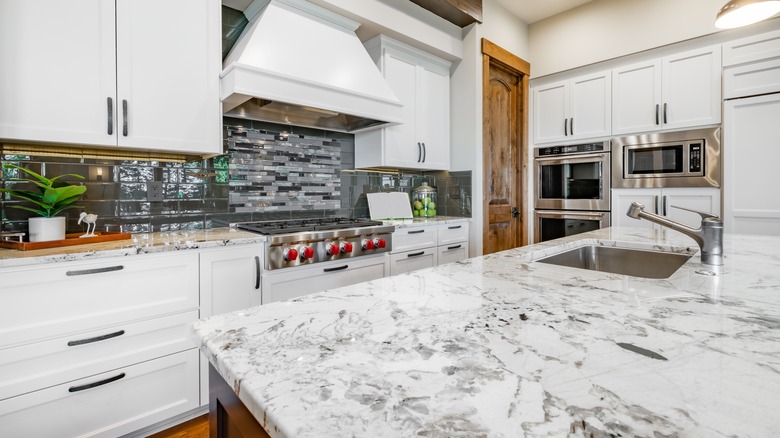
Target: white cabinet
<point x="100" y="347"/>
<point x="230" y="278"/>
<point x="429" y="245"/>
<point x="422" y="83"/>
<point x="661" y="201"/>
<point x="128" y="73"/>
<point x="677" y="91"/>
<point x="751" y="66"/>
<point x="750" y="145"/>
<point x="286" y="284"/>
<point x="574" y="109"/>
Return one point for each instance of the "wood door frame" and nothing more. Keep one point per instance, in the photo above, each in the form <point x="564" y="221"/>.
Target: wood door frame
<point x="498" y="55"/>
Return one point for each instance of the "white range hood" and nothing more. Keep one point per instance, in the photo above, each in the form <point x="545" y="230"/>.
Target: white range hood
<point x="297" y="63"/>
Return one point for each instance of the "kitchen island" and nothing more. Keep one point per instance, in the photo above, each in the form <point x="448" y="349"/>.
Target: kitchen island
<point x="503" y="346"/>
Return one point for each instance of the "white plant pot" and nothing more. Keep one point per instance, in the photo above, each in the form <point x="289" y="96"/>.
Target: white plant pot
<point x="43" y="229"/>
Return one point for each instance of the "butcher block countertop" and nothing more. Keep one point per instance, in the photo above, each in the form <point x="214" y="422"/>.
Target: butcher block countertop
<point x="142" y="243"/>
<point x="503" y="346"/>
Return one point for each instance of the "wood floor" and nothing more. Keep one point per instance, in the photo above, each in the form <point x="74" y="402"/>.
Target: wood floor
<point x="195" y="428"/>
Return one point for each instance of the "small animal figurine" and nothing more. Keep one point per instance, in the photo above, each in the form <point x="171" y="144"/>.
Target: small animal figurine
<point x="88" y="219"/>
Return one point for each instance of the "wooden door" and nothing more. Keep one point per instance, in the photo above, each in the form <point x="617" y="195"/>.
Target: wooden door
<point x="505" y="146"/>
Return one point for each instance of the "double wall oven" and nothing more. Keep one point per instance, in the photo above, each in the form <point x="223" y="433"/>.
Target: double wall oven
<point x="572" y="189"/>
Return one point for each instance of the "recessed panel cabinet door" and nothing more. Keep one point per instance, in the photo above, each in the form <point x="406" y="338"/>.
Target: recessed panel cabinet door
<point x="551" y="103"/>
<point x="168" y="74"/>
<point x="433" y="124"/>
<point x="400" y="140"/>
<point x="58" y="71"/>
<point x="691" y="88"/>
<point x="636" y="98"/>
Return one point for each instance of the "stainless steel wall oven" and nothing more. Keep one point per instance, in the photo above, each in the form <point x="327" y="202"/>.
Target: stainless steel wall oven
<point x="572" y="189"/>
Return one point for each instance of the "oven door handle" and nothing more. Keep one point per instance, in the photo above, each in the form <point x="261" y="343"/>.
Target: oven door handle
<point x="603" y="156"/>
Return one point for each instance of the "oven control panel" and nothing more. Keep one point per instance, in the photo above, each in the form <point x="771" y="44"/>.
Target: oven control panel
<point x="583" y="148"/>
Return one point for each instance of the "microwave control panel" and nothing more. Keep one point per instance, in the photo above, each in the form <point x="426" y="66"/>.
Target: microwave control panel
<point x="694" y="157"/>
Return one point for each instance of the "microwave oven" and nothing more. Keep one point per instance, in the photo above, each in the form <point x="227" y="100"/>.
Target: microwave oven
<point x="667" y="159"/>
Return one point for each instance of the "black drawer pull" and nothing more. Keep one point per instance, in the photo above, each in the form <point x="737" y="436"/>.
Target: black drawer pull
<point x="110" y="105"/>
<point x="95" y="339"/>
<point x="94" y="271"/>
<point x="337" y="268"/>
<point x="124" y="118"/>
<point x="455" y="227"/>
<point x="96" y="384"/>
<point x="453" y="247"/>
<point x="416" y="254"/>
<point x="257" y="270"/>
<point x="415" y="232"/>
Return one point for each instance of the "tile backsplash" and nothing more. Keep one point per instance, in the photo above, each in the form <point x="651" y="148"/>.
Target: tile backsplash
<point x="270" y="172"/>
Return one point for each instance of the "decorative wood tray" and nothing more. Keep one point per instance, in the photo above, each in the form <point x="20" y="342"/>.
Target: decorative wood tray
<point x="70" y="240"/>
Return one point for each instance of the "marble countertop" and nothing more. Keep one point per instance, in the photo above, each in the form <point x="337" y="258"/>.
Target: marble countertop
<point x="141" y="243"/>
<point x="436" y="220"/>
<point x="502" y="346"/>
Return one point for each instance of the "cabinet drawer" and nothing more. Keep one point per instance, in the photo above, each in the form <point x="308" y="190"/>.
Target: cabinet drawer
<point x="279" y="286"/>
<point x="406" y="239"/>
<point x="34" y="366"/>
<point x="451" y="233"/>
<point x="73" y="297"/>
<point x="118" y="402"/>
<point x="751" y="49"/>
<point x="751" y="79"/>
<point x="453" y="253"/>
<point x="413" y="260"/>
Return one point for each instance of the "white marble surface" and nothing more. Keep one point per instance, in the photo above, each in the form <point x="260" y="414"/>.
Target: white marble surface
<point x="436" y="220"/>
<point x="142" y="243"/>
<point x="501" y="346"/>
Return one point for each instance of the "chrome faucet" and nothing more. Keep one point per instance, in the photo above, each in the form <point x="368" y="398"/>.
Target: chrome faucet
<point x="709" y="236"/>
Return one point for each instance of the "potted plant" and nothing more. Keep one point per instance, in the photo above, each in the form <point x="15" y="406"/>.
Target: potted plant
<point x="52" y="197"/>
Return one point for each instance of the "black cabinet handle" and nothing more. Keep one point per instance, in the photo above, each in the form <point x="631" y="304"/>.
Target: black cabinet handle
<point x="453" y="247"/>
<point x="124" y="117"/>
<point x="656" y="115"/>
<point x="337" y="268"/>
<point x="96" y="384"/>
<point x="454" y="227"/>
<point x="257" y="272"/>
<point x="415" y="232"/>
<point x="419" y="152"/>
<point x="415" y="254"/>
<point x="110" y="105"/>
<point x="571" y="125"/>
<point x="94" y="271"/>
<point x="95" y="339"/>
<point x="566" y="127"/>
<point x="425" y="152"/>
<point x="665" y="122"/>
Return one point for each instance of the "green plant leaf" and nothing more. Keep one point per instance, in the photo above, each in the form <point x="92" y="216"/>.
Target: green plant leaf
<point x="40" y="178"/>
<point x="38" y="212"/>
<point x="56" y="211"/>
<point x="63" y="176"/>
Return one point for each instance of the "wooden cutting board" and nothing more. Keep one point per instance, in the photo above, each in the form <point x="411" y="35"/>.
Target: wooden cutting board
<point x="389" y="205"/>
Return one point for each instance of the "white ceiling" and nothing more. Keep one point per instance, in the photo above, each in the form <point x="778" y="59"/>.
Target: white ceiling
<point x="534" y="10"/>
<point x="527" y="10"/>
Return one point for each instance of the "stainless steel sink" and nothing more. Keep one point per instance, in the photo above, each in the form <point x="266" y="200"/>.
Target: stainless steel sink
<point x="635" y="262"/>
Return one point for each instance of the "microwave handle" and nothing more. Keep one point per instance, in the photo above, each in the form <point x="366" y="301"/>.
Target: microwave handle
<point x="700" y="213"/>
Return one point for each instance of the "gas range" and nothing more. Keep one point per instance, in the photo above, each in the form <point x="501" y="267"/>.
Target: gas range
<point x="301" y="242"/>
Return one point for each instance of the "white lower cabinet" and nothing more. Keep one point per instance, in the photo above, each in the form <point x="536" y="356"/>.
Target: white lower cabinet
<point x="662" y="201"/>
<point x="425" y="246"/>
<point x="286" y="284"/>
<point x="107" y="404"/>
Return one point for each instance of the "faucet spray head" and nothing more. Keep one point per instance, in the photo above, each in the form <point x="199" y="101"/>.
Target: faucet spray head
<point x="634" y="209"/>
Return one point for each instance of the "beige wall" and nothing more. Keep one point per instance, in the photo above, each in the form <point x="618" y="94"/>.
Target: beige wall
<point x="606" y="29"/>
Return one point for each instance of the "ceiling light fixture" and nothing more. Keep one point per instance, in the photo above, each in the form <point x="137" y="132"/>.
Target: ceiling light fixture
<point x="738" y="13"/>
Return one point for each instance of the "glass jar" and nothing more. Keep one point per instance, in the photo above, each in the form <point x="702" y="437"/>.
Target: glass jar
<point x="424" y="201"/>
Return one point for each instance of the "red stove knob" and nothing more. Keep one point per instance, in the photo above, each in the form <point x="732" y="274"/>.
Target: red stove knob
<point x="380" y="243"/>
<point x="333" y="249"/>
<point x="290" y="254"/>
<point x="307" y="252"/>
<point x="368" y="244"/>
<point x="346" y="247"/>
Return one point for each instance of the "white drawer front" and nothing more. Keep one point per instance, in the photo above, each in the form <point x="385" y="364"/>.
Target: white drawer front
<point x="751" y="79"/>
<point x="751" y="49"/>
<point x="292" y="283"/>
<point x="405" y="239"/>
<point x="451" y="233"/>
<point x="413" y="260"/>
<point x="72" y="297"/>
<point x="142" y="395"/>
<point x="453" y="253"/>
<point x="34" y="366"/>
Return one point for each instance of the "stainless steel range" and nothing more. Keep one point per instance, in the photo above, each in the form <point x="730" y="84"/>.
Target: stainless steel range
<point x="300" y="242"/>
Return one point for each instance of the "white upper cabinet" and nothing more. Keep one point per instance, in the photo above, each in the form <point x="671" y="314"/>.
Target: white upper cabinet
<point x="130" y="73"/>
<point x="678" y="91"/>
<point x="575" y="109"/>
<point x="422" y="83"/>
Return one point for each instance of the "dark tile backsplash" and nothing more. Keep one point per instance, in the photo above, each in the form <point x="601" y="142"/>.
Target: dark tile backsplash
<point x="271" y="172"/>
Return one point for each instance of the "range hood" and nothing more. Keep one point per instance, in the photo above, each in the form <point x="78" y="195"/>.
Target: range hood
<point x="299" y="64"/>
